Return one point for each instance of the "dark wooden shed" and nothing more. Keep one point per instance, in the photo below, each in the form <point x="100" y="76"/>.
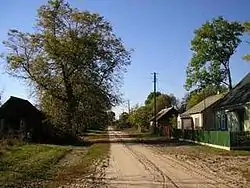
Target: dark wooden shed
<point x="163" y="120"/>
<point x="19" y="117"/>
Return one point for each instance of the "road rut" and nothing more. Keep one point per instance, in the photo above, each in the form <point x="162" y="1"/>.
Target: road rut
<point x="134" y="165"/>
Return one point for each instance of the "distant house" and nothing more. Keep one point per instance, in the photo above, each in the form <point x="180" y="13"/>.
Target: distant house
<point x="19" y="117"/>
<point x="163" y="120"/>
<point x="233" y="111"/>
<point x="200" y="116"/>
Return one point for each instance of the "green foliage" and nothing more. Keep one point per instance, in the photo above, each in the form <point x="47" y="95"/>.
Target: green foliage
<point x="247" y="30"/>
<point x="139" y="117"/>
<point x="213" y="45"/>
<point x="74" y="62"/>
<point x="111" y="117"/>
<point x="197" y="96"/>
<point x="48" y="165"/>
<point x="173" y="121"/>
<point x="22" y="165"/>
<point x="194" y="99"/>
<point x="150" y="97"/>
<point x="163" y="101"/>
<point x="123" y="120"/>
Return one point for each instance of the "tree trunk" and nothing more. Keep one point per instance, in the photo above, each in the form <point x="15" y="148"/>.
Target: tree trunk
<point x="70" y="101"/>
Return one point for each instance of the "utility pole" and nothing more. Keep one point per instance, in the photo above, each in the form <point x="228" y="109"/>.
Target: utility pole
<point x="129" y="106"/>
<point x="154" y="101"/>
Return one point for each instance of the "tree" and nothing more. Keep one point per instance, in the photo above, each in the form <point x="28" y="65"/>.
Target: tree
<point x="140" y="117"/>
<point x="111" y="117"/>
<point x="247" y="30"/>
<point x="123" y="120"/>
<point x="163" y="101"/>
<point x="197" y="96"/>
<point x="74" y="62"/>
<point x="213" y="45"/>
<point x="150" y="97"/>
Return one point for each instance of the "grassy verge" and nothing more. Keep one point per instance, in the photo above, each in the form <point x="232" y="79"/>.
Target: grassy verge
<point x="36" y="165"/>
<point x="28" y="164"/>
<point x="95" y="134"/>
<point x="134" y="133"/>
<point x="87" y="165"/>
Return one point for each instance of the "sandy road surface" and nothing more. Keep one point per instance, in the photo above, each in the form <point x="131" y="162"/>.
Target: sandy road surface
<point x="134" y="165"/>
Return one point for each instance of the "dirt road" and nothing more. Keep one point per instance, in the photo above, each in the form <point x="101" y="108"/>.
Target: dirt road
<point x="135" y="165"/>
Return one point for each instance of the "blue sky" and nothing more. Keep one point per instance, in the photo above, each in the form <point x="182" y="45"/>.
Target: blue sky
<point x="159" y="31"/>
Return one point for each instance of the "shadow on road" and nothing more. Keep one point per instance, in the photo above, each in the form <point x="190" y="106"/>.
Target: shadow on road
<point x="135" y="138"/>
<point x="150" y="141"/>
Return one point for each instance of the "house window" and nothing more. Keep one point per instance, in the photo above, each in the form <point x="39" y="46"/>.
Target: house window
<point x="223" y="122"/>
<point x="179" y="124"/>
<point x="197" y="122"/>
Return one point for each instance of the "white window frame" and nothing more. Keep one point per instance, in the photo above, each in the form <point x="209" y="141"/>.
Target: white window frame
<point x="197" y="122"/>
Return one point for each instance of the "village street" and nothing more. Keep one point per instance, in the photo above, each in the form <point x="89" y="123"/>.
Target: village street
<point x="135" y="165"/>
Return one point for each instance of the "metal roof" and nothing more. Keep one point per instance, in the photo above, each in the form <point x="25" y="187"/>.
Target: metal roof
<point x="201" y="106"/>
<point x="240" y="94"/>
<point x="162" y="113"/>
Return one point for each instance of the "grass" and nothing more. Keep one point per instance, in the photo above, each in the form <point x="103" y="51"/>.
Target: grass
<point x="95" y="134"/>
<point x="36" y="165"/>
<point x="134" y="133"/>
<point x="85" y="166"/>
<point x="22" y="165"/>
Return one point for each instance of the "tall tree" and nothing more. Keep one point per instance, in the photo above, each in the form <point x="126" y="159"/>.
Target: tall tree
<point x="163" y="101"/>
<point x="74" y="61"/>
<point x="213" y="45"/>
<point x="123" y="120"/>
<point x="140" y="116"/>
<point x="247" y="30"/>
<point x="150" y="97"/>
<point x="111" y="117"/>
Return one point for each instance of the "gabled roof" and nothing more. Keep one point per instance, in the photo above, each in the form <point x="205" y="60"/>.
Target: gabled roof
<point x="240" y="94"/>
<point x="201" y="106"/>
<point x="18" y="107"/>
<point x="165" y="111"/>
<point x="162" y="113"/>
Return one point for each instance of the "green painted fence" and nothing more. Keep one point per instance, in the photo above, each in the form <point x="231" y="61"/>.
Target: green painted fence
<point x="221" y="138"/>
<point x="240" y="139"/>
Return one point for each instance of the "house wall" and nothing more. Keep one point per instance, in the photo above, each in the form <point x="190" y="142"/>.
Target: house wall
<point x="218" y="120"/>
<point x="200" y="118"/>
<point x="167" y="118"/>
<point x="163" y="121"/>
<point x="209" y="120"/>
<point x="179" y="122"/>
<point x="187" y="123"/>
<point x="1" y="126"/>
<point x="206" y="120"/>
<point x="233" y="121"/>
<point x="247" y="118"/>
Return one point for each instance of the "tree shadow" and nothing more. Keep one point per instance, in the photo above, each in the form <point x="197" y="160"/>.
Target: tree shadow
<point x="146" y="141"/>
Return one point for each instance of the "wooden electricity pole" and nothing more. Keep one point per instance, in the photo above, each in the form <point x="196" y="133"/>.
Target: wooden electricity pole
<point x="154" y="100"/>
